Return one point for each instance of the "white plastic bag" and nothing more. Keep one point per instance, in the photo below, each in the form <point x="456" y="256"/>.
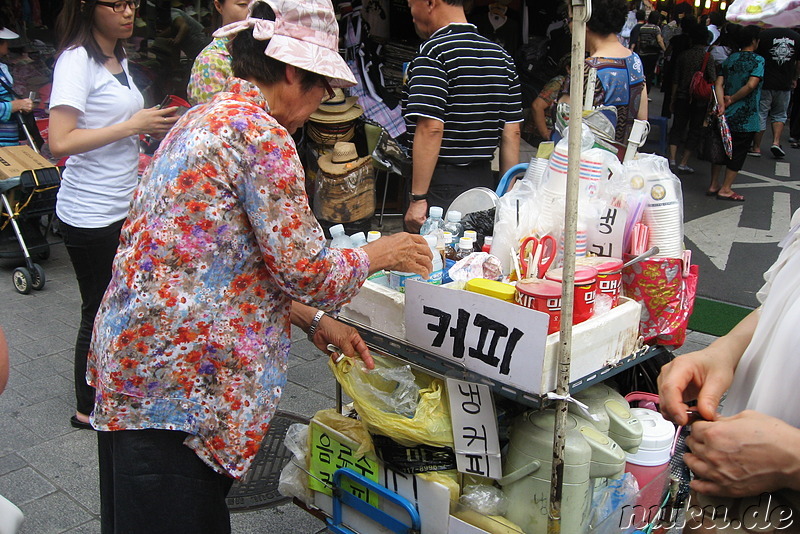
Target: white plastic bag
<point x="294" y="481"/>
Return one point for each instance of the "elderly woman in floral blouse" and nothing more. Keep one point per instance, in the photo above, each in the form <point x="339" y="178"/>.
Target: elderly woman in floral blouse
<point x="190" y="346"/>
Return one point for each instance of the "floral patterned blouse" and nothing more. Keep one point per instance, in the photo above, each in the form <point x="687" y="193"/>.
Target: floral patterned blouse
<point x="194" y="332"/>
<point x="210" y="70"/>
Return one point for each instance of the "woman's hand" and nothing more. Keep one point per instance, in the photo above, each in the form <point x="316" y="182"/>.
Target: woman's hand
<point x="154" y="121"/>
<point x="345" y="337"/>
<point x="23" y="104"/>
<point x="703" y="376"/>
<point x="747" y="454"/>
<point x="404" y="252"/>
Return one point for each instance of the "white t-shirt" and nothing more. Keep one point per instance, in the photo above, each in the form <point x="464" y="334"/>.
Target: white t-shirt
<point x="767" y="376"/>
<point x="97" y="185"/>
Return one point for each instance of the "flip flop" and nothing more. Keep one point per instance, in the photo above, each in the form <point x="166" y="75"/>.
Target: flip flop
<point x="711" y="193"/>
<point x="736" y="197"/>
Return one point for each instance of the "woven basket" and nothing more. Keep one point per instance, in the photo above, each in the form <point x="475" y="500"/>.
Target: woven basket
<point x="343" y="198"/>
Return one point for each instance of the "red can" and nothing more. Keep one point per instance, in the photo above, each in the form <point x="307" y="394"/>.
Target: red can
<point x="585" y="286"/>
<point x="543" y="296"/>
<point x="609" y="275"/>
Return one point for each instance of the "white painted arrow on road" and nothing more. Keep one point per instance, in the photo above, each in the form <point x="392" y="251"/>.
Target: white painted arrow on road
<point x="716" y="233"/>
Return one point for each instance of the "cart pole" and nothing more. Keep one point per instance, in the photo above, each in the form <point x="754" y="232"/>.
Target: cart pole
<point x="580" y="14"/>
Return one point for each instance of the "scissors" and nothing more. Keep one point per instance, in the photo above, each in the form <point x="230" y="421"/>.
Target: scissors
<point x="539" y="252"/>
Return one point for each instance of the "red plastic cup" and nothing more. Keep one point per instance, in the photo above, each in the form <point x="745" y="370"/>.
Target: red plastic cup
<point x="609" y="275"/>
<point x="585" y="286"/>
<point x="543" y="296"/>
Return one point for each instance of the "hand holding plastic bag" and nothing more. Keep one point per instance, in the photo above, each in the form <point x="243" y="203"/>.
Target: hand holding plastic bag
<point x="430" y="423"/>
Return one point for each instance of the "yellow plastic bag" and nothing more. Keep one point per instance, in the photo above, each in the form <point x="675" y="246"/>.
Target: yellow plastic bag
<point x="430" y="424"/>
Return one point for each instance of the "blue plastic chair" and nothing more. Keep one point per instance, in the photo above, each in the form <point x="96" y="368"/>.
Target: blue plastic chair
<point x="663" y="131"/>
<point x="510" y="174"/>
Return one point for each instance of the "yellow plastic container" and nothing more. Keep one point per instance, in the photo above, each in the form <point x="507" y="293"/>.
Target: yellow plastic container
<point x="491" y="288"/>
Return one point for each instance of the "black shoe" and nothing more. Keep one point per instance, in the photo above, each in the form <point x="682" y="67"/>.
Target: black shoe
<point x="77" y="423"/>
<point x="777" y="151"/>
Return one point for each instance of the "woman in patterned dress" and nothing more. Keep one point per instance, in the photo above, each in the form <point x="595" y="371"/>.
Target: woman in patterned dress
<point x="189" y="354"/>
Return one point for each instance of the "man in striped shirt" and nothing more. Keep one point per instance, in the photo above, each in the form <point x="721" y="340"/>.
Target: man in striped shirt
<point x="461" y="101"/>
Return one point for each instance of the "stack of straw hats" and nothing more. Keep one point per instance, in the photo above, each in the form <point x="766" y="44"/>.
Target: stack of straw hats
<point x="334" y="120"/>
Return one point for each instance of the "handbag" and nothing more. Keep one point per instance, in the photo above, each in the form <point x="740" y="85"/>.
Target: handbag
<point x="27" y="122"/>
<point x="699" y="88"/>
<point x="716" y="144"/>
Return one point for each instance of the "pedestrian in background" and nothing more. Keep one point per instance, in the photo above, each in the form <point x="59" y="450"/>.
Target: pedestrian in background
<point x="780" y="48"/>
<point x="96" y="117"/>
<point x="738" y="90"/>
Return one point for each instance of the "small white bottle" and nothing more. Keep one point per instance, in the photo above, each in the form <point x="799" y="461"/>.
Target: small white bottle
<point x="464" y="248"/>
<point x="373" y="235"/>
<point x="472" y="234"/>
<point x="338" y="238"/>
<point x="358" y="239"/>
<point x="438" y="265"/>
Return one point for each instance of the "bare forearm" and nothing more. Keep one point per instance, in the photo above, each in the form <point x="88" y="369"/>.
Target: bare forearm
<point x="732" y="345"/>
<point x="427" y="144"/>
<point x="78" y="141"/>
<point x="509" y="147"/>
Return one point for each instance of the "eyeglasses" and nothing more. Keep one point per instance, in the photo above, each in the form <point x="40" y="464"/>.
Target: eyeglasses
<point x="328" y="89"/>
<point x="119" y="6"/>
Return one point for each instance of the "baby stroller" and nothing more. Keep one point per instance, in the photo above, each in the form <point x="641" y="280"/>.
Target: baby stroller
<point x="25" y="200"/>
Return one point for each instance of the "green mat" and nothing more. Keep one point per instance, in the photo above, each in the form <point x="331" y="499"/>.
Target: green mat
<point x="715" y="317"/>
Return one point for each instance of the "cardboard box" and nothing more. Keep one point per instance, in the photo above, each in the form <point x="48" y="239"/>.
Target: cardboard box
<point x="532" y="362"/>
<point x="15" y="159"/>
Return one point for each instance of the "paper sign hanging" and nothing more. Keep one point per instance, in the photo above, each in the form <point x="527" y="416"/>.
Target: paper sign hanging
<point x="474" y="428"/>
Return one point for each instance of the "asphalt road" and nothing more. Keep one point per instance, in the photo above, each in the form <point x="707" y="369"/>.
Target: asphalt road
<point x="733" y="243"/>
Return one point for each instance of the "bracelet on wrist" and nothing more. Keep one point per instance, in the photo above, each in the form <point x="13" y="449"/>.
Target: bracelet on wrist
<point x="312" y="328"/>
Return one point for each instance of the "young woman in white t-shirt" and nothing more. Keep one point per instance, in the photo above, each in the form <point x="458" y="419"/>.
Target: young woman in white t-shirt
<point x="96" y="116"/>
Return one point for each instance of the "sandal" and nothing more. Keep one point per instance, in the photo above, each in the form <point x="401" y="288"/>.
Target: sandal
<point x="711" y="193"/>
<point x="735" y="197"/>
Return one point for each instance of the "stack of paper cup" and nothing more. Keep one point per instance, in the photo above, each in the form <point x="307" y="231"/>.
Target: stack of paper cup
<point x="663" y="216"/>
<point x="581" y="241"/>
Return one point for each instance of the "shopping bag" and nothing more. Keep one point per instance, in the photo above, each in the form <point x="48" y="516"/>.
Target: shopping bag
<point x="712" y="148"/>
<point x="374" y="397"/>
<point x="725" y="135"/>
<point x="666" y="295"/>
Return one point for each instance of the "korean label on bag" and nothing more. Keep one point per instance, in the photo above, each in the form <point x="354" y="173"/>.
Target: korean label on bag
<point x="328" y="455"/>
<point x="497" y="339"/>
<point x="474" y="428"/>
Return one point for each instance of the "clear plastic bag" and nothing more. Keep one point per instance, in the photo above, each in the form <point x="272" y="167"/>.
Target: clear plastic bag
<point x="486" y="500"/>
<point x="294" y="481"/>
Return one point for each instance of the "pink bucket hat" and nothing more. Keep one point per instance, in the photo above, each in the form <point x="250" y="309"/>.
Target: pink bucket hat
<point x="305" y="34"/>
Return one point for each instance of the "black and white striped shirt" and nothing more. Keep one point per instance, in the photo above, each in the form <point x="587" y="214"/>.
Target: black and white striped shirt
<point x="470" y="84"/>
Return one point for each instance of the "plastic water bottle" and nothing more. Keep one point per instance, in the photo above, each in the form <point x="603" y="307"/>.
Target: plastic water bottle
<point x="438" y="264"/>
<point x="358" y="239"/>
<point x="339" y="238"/>
<point x="373" y="235"/>
<point x="454" y="226"/>
<point x="434" y="223"/>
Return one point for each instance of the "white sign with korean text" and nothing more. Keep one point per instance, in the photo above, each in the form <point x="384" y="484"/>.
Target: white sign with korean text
<point x="474" y="428"/>
<point x="605" y="235"/>
<point x="497" y="339"/>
